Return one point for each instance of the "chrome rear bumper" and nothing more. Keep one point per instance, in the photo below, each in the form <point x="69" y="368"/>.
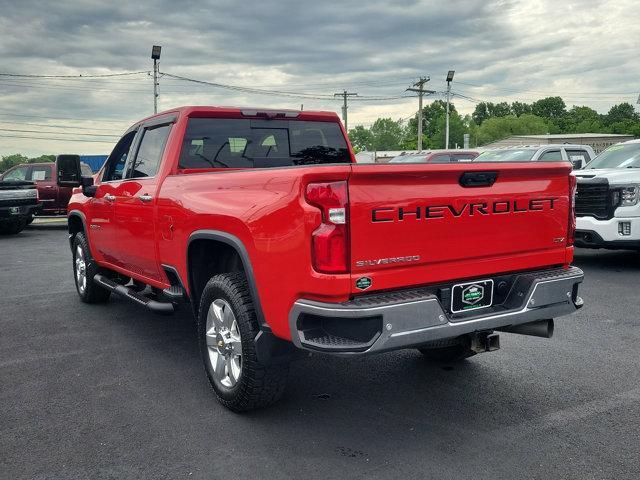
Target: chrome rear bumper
<point x="396" y="320"/>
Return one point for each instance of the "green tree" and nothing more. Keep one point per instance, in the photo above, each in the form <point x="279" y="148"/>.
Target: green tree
<point x="621" y="113"/>
<point x="520" y="108"/>
<point x="9" y="161"/>
<point x="550" y="108"/>
<point x="583" y="120"/>
<point x="43" y="159"/>
<point x="497" y="128"/>
<point x="481" y="112"/>
<point x="433" y="126"/>
<point x="387" y="134"/>
<point x="361" y="138"/>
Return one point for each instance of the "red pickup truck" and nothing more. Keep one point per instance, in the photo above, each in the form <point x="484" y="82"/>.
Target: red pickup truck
<point x="53" y="199"/>
<point x="264" y="224"/>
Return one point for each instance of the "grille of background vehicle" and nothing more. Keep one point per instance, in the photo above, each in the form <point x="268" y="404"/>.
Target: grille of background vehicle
<point x="595" y="200"/>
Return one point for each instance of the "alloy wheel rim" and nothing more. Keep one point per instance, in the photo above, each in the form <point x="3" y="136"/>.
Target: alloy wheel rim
<point x="81" y="270"/>
<point x="223" y="343"/>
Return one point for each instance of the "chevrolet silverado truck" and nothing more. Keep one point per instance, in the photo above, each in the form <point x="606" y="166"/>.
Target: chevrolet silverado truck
<point x="18" y="203"/>
<point x="608" y="199"/>
<point x="263" y="223"/>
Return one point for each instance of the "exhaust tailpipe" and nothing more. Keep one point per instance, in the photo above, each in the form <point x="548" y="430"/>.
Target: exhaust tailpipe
<point x="539" y="328"/>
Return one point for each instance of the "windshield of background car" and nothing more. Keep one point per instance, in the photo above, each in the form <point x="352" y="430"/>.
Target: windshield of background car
<point x="408" y="159"/>
<point x="511" y="155"/>
<point x="618" y="156"/>
<point x="245" y="143"/>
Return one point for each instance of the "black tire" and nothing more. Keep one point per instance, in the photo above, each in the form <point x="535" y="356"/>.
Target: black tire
<point x="257" y="385"/>
<point x="29" y="219"/>
<point x="448" y="351"/>
<point x="12" y="227"/>
<point x="88" y="290"/>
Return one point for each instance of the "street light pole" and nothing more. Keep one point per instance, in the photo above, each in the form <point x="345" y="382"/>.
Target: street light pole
<point x="421" y="91"/>
<point x="155" y="55"/>
<point x="449" y="78"/>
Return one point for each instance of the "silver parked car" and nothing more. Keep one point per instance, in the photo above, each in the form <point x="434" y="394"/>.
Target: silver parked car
<point x="578" y="155"/>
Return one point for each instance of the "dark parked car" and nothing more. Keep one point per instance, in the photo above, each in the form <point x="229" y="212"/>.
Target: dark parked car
<point x="436" y="156"/>
<point x="18" y="203"/>
<point x="54" y="199"/>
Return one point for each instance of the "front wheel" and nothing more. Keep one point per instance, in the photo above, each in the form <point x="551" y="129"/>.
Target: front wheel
<point x="84" y="269"/>
<point x="227" y="327"/>
<point x="12" y="227"/>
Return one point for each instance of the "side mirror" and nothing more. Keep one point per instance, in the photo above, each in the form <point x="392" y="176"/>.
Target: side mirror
<point x="88" y="188"/>
<point x="69" y="173"/>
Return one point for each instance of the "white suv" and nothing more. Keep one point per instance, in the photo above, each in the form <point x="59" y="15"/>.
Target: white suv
<point x="608" y="199"/>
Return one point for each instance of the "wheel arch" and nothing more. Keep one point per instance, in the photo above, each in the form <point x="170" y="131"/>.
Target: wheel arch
<point x="227" y="244"/>
<point x="76" y="223"/>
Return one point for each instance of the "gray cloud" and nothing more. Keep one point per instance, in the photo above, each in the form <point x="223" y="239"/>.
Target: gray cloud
<point x="514" y="49"/>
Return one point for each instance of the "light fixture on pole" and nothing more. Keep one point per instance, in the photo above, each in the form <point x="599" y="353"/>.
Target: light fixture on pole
<point x="155" y="55"/>
<point x="449" y="79"/>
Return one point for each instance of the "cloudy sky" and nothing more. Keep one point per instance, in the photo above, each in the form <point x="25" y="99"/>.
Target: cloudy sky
<point x="586" y="51"/>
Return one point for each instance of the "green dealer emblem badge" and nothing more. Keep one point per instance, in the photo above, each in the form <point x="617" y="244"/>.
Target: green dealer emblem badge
<point x="472" y="294"/>
<point x="363" y="283"/>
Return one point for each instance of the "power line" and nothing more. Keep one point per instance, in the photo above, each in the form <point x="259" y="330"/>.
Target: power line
<point x="105" y="75"/>
<point x="8" y="113"/>
<point x="58" y="126"/>
<point x="57" y="139"/>
<point x="555" y="92"/>
<point x="59" y="133"/>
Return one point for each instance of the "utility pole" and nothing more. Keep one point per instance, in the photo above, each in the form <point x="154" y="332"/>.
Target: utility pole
<point x="155" y="55"/>
<point x="449" y="79"/>
<point x="344" y="95"/>
<point x="421" y="91"/>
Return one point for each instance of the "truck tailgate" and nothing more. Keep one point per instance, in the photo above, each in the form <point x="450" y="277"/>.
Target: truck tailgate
<point x="417" y="224"/>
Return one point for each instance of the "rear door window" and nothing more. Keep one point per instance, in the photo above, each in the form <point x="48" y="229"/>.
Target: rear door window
<point x="578" y="157"/>
<point x="150" y="152"/>
<point x="245" y="143"/>
<point x="41" y="173"/>
<point x="551" y="156"/>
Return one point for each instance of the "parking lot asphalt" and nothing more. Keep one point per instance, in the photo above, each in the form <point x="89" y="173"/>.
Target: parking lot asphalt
<point x="113" y="391"/>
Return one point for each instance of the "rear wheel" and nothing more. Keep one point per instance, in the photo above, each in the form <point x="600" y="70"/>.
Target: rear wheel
<point x="449" y="350"/>
<point x="84" y="269"/>
<point x="227" y="327"/>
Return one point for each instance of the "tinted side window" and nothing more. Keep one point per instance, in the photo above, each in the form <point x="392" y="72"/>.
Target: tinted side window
<point x="442" y="158"/>
<point x="150" y="152"/>
<point x="39" y="174"/>
<point x="245" y="143"/>
<point x="19" y="173"/>
<point x="578" y="158"/>
<point x="551" y="156"/>
<point x="116" y="161"/>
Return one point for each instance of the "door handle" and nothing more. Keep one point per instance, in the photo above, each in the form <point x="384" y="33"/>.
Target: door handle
<point x="109" y="198"/>
<point x="145" y="198"/>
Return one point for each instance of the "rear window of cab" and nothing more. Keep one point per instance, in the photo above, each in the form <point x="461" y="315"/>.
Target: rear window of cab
<point x="245" y="143"/>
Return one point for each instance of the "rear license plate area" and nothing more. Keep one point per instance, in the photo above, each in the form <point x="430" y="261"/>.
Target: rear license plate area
<point x="471" y="296"/>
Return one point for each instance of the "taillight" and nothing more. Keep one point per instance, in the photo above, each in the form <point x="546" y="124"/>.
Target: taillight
<point x="330" y="241"/>
<point x="571" y="230"/>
